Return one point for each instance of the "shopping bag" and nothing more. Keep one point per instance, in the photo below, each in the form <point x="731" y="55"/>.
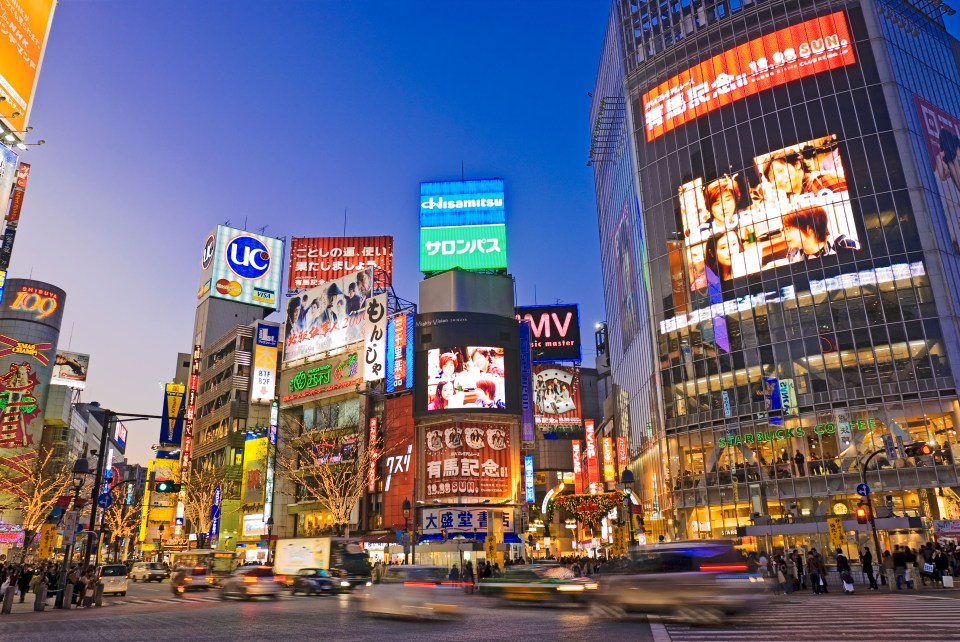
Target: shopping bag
<point x="928" y="568"/>
<point x="906" y="575"/>
<point x="947" y="581"/>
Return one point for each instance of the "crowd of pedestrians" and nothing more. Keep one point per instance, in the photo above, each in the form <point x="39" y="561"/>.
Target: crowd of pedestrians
<point x="33" y="578"/>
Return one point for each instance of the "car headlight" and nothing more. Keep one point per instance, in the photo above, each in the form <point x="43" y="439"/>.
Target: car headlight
<point x="344" y="583"/>
<point x="570" y="587"/>
<point x="591" y="586"/>
<point x="369" y="583"/>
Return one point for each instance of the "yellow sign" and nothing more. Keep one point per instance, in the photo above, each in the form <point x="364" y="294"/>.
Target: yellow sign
<point x="491" y="545"/>
<point x="48" y="541"/>
<point x="837" y="537"/>
<point x="619" y="541"/>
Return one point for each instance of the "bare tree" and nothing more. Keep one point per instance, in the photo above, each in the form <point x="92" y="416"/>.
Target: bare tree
<point x="198" y="495"/>
<point x="122" y="519"/>
<point x="33" y="489"/>
<point x="327" y="466"/>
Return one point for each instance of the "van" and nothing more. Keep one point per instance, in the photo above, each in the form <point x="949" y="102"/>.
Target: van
<point x="114" y="578"/>
<point x="147" y="572"/>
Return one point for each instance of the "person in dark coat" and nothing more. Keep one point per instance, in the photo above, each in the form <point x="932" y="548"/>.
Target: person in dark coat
<point x="866" y="561"/>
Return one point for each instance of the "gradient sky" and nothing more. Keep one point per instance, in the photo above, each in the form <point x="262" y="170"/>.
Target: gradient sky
<point x="163" y="119"/>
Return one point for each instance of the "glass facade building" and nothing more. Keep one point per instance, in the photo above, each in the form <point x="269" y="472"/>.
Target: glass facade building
<point x="797" y="174"/>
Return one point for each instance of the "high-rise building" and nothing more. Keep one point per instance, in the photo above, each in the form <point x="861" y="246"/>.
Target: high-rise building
<point x="795" y="165"/>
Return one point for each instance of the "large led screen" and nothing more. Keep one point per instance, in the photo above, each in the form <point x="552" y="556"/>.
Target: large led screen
<point x="779" y="57"/>
<point x="790" y="206"/>
<point x="465" y="377"/>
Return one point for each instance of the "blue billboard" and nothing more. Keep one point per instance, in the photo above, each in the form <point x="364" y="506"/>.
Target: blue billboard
<point x="456" y="203"/>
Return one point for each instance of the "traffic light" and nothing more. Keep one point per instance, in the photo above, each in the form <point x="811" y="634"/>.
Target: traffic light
<point x="862" y="514"/>
<point x="166" y="487"/>
<point x="917" y="449"/>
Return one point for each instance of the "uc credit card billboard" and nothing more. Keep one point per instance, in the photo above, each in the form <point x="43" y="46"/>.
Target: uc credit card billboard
<point x="462" y="225"/>
<point x="240" y="266"/>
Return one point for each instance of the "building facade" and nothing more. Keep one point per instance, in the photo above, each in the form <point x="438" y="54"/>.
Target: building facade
<point x="799" y="215"/>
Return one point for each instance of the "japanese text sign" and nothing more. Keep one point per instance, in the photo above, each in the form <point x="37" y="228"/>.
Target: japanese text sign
<point x="609" y="464"/>
<point x="528" y="478"/>
<point x="477" y="247"/>
<point x="26" y="25"/>
<point x="328" y="317"/>
<point x="789" y="54"/>
<point x="452" y="520"/>
<point x="266" y="344"/>
<point x="375" y="338"/>
<point x="593" y="465"/>
<point x="400" y="352"/>
<point x="320" y="260"/>
<point x="468" y="459"/>
<point x="324" y="377"/>
<point x="577" y="466"/>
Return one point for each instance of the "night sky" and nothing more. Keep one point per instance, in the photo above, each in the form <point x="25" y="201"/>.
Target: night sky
<point x="162" y="119"/>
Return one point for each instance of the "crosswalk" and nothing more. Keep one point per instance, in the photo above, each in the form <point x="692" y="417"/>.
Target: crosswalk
<point x="181" y="600"/>
<point x="801" y="618"/>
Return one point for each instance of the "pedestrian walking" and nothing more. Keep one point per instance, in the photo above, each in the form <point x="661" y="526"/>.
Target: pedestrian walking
<point x="866" y="562"/>
<point x="23" y="582"/>
<point x="889" y="570"/>
<point x="900" y="566"/>
<point x="813" y="572"/>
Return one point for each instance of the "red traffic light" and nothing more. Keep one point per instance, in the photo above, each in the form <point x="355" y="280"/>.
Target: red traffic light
<point x="862" y="514"/>
<point x="918" y="449"/>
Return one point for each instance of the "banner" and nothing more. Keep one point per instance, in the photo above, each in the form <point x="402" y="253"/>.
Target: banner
<point x="322" y="378"/>
<point x="254" y="470"/>
<point x="26" y="25"/>
<point x="375" y="338"/>
<point x="941" y="136"/>
<point x="320" y="260"/>
<point x="8" y="175"/>
<point x="468" y="459"/>
<point x="593" y="466"/>
<point x="528" y="478"/>
<point x="171" y="426"/>
<point x="609" y="465"/>
<point x="400" y="352"/>
<point x="577" y="466"/>
<point x="527" y="423"/>
<point x="328" y="317"/>
<point x="623" y="457"/>
<point x="555" y="331"/>
<point x="267" y="343"/>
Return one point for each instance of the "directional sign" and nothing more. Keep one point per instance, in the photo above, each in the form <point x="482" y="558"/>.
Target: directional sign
<point x="104" y="500"/>
<point x="863" y="490"/>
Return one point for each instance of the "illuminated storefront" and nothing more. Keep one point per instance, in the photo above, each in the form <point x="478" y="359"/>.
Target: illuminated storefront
<point x="799" y="268"/>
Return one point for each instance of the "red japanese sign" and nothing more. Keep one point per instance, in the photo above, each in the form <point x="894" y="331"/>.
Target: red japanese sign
<point x="577" y="467"/>
<point x="593" y="465"/>
<point x="468" y="459"/>
<point x="319" y="260"/>
<point x="623" y="456"/>
<point x="372" y="445"/>
<point x="789" y="54"/>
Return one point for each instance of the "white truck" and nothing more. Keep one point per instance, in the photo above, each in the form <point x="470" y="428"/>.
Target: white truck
<point x="342" y="557"/>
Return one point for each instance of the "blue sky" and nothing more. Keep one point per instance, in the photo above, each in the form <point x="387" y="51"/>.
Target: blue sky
<point x="163" y="119"/>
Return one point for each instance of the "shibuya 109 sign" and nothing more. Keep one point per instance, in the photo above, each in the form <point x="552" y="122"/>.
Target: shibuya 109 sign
<point x="468" y="459"/>
<point x="323" y="377"/>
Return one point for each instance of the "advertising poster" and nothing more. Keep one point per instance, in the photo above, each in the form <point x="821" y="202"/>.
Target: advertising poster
<point x="8" y="174"/>
<point x="555" y="331"/>
<point x="468" y="459"/>
<point x="70" y="369"/>
<point x="241" y="266"/>
<point x="171" y="426"/>
<point x="465" y="377"/>
<point x="776" y="58"/>
<point x="322" y="378"/>
<point x="577" y="466"/>
<point x="26" y="25"/>
<point x="400" y="352"/>
<point x="328" y="317"/>
<point x="528" y="432"/>
<point x="462" y="224"/>
<point x="609" y="464"/>
<point x="625" y="247"/>
<point x="477" y="247"/>
<point x="375" y="338"/>
<point x="463" y="521"/>
<point x="941" y="136"/>
<point x="593" y="463"/>
<point x="317" y="261"/>
<point x="528" y="486"/>
<point x="254" y="470"/>
<point x="556" y="395"/>
<point x="266" y="344"/>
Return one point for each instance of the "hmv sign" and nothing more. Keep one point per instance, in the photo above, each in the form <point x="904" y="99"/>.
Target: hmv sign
<point x="554" y="331"/>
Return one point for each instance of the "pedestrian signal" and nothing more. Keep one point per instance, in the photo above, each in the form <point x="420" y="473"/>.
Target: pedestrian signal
<point x="862" y="514"/>
<point x="166" y="487"/>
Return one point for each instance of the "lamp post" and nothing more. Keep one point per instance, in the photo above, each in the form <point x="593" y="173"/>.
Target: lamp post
<point x="873" y="522"/>
<point x="160" y="546"/>
<point x="406" y="530"/>
<point x="626" y="480"/>
<point x="80" y="470"/>
<point x="270" y="540"/>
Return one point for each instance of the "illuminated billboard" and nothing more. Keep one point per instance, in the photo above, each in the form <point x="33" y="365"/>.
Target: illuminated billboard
<point x="26" y="25"/>
<point x="241" y="266"/>
<point x="779" y="57"/>
<point x="266" y="344"/>
<point x="171" y="425"/>
<point x="254" y="470"/>
<point x="328" y="317"/>
<point x="319" y="260"/>
<point x="556" y="395"/>
<point x="323" y="378"/>
<point x="70" y="369"/>
<point x="462" y="225"/>
<point x="465" y="377"/>
<point x="941" y="136"/>
<point x="482" y="454"/>
<point x="399" y="352"/>
<point x="791" y="205"/>
<point x="555" y="331"/>
<point x="8" y="174"/>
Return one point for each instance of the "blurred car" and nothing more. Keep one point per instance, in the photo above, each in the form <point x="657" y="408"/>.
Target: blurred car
<point x="148" y="572"/>
<point x="353" y="578"/>
<point x="195" y="578"/>
<point x="315" y="580"/>
<point x="412" y="592"/>
<point x="698" y="582"/>
<point x="538" y="583"/>
<point x="114" y="578"/>
<point x="252" y="581"/>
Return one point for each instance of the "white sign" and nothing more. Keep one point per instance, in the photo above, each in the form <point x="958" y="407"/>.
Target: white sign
<point x="452" y="520"/>
<point x="375" y="338"/>
<point x="263" y="388"/>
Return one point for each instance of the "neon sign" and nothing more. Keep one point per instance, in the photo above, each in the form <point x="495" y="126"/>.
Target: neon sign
<point x="43" y="303"/>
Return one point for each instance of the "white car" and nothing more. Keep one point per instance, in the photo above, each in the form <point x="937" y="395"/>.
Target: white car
<point x="147" y="572"/>
<point x="415" y="592"/>
<point x="114" y="578"/>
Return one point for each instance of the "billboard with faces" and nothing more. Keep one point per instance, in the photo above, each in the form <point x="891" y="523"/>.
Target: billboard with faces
<point x="788" y="206"/>
<point x="327" y="317"/>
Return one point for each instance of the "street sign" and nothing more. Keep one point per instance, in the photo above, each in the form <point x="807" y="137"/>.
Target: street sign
<point x="104" y="500"/>
<point x="835" y="527"/>
<point x="863" y="490"/>
<point x="888" y="447"/>
<point x="70" y="519"/>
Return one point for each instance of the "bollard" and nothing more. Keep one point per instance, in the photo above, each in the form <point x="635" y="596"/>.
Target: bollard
<point x="8" y="598"/>
<point x="98" y="594"/>
<point x="67" y="599"/>
<point x="40" y="599"/>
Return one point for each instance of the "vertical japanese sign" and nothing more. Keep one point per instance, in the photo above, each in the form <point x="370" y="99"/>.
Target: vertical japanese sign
<point x="215" y="514"/>
<point x="191" y="410"/>
<point x="375" y="338"/>
<point x="372" y="445"/>
<point x="264" y="388"/>
<point x="623" y="455"/>
<point x="837" y="537"/>
<point x="577" y="467"/>
<point x="171" y="426"/>
<point x="253" y="483"/>
<point x="16" y="203"/>
<point x="528" y="478"/>
<point x="271" y="456"/>
<point x="609" y="464"/>
<point x="593" y="465"/>
<point x="527" y="425"/>
<point x="399" y="353"/>
<point x="8" y="174"/>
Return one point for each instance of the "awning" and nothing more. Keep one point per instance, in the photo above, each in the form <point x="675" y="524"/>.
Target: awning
<point x="508" y="538"/>
<point x="379" y="538"/>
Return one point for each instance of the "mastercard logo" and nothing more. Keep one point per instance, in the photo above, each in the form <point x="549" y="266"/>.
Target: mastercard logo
<point x="230" y="288"/>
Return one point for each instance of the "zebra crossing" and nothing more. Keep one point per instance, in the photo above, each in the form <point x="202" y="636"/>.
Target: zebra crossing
<point x="182" y="600"/>
<point x="809" y="618"/>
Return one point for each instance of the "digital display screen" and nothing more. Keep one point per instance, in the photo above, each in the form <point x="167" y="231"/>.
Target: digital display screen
<point x="467" y="377"/>
<point x="790" y="206"/>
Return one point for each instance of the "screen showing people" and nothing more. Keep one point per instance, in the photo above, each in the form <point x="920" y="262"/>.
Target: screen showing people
<point x="468" y="377"/>
<point x="792" y="205"/>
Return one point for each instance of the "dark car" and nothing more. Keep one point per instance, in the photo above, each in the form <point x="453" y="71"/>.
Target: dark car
<point x="315" y="580"/>
<point x="248" y="582"/>
<point x="193" y="578"/>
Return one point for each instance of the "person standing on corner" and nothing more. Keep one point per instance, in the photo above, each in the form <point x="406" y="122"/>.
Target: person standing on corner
<point x="866" y="562"/>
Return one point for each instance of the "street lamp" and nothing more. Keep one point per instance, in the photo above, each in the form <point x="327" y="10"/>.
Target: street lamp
<point x="406" y="530"/>
<point x="80" y="470"/>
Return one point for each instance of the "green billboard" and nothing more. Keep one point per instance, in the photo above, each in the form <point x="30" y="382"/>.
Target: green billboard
<point x="470" y="247"/>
